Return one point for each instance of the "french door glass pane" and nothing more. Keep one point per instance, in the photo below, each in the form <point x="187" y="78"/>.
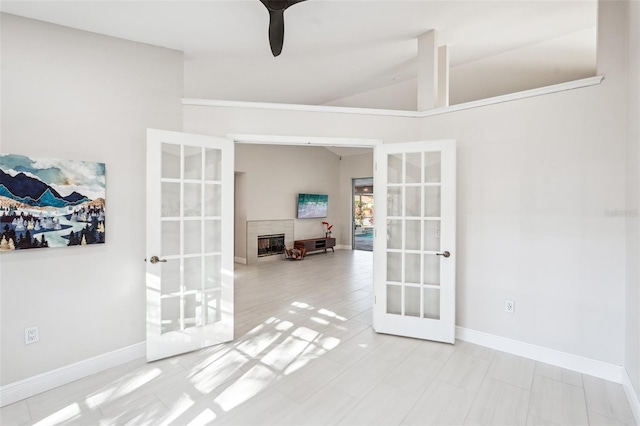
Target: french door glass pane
<point x="412" y="268"/>
<point x="432" y="235"/>
<point x="193" y="273"/>
<point x="192" y="237"/>
<point x="170" y="278"/>
<point x="192" y="309"/>
<point x="214" y="311"/>
<point x="192" y="162"/>
<point x="170" y="199"/>
<point x="431" y="269"/>
<point x="394" y="168"/>
<point x="192" y="199"/>
<point x="170" y="314"/>
<point x="412" y="301"/>
<point x="431" y="303"/>
<point x="170" y="167"/>
<point x="413" y="234"/>
<point x="394" y="201"/>
<point x="212" y="236"/>
<point x="394" y="234"/>
<point x="414" y="201"/>
<point x="212" y="197"/>
<point x="433" y="167"/>
<point x="170" y="238"/>
<point x="394" y="299"/>
<point x="212" y="271"/>
<point x="394" y="267"/>
<point x="414" y="167"/>
<point x="213" y="164"/>
<point x="432" y="201"/>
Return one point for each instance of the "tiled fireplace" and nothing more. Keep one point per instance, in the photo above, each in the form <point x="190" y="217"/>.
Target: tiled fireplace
<point x="263" y="236"/>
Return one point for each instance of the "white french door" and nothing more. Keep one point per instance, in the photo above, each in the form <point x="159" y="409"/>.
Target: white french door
<point x="414" y="268"/>
<point x="189" y="274"/>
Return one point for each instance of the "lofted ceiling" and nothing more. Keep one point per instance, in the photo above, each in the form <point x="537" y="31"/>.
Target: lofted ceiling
<point x="333" y="48"/>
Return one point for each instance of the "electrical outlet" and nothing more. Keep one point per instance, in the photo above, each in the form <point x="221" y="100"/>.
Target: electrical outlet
<point x="31" y="335"/>
<point x="509" y="306"/>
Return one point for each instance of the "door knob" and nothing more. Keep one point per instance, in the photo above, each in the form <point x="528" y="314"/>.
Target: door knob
<point x="444" y="254"/>
<point x="156" y="259"/>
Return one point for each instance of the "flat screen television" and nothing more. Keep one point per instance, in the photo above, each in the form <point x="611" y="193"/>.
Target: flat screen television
<point x="312" y="206"/>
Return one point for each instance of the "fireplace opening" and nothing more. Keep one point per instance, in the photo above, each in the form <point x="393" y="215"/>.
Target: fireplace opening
<point x="269" y="245"/>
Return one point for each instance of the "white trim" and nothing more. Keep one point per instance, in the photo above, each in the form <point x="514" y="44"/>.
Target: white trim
<point x="566" y="360"/>
<point x="26" y="388"/>
<point x="297" y="107"/>
<point x="576" y="84"/>
<point x="303" y="140"/>
<point x="632" y="396"/>
<point x="241" y="260"/>
<point x="342" y="247"/>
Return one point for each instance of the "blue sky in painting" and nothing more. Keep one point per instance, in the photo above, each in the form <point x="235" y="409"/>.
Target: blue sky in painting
<point x="65" y="176"/>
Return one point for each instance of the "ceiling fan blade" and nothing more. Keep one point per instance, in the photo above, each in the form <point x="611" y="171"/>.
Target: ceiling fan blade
<point x="276" y="31"/>
<point x="276" y="10"/>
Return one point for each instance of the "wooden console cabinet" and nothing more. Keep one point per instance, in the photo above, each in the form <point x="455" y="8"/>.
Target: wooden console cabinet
<point x="315" y="244"/>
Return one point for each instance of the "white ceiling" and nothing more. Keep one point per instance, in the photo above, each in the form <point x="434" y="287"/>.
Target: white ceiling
<point x="333" y="48"/>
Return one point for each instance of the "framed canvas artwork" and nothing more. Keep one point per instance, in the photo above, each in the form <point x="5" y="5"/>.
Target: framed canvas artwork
<point x="47" y="202"/>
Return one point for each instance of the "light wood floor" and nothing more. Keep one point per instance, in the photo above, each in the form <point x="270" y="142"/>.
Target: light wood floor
<point x="305" y="353"/>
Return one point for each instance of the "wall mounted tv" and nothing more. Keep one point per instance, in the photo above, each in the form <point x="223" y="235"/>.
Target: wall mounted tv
<point x="312" y="206"/>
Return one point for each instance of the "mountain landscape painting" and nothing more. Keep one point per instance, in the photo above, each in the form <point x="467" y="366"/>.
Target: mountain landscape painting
<point x="46" y="203"/>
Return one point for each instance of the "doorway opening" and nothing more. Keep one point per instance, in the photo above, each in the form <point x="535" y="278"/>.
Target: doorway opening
<point x="362" y="214"/>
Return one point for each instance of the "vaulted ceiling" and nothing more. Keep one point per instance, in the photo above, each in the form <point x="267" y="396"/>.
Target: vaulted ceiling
<point x="332" y="49"/>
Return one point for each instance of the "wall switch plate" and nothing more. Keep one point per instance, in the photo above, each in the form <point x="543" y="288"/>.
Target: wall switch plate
<point x="31" y="335"/>
<point x="509" y="306"/>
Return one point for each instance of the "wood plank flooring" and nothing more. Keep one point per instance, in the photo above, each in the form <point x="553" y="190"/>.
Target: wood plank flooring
<point x="305" y="353"/>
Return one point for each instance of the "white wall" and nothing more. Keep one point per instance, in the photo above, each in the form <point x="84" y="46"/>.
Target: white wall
<point x="276" y="174"/>
<point x="632" y="338"/>
<point x="559" y="60"/>
<point x="400" y="96"/>
<point x="220" y="121"/>
<point x="351" y="167"/>
<point x="78" y="95"/>
<point x="535" y="178"/>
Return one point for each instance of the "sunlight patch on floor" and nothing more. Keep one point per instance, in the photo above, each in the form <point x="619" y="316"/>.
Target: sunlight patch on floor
<point x="246" y="387"/>
<point x="319" y="321"/>
<point x="203" y="418"/>
<point x="119" y="390"/>
<point x="61" y="416"/>
<point x="216" y="373"/>
<point x="331" y="314"/>
<point x="180" y="407"/>
<point x="284" y="326"/>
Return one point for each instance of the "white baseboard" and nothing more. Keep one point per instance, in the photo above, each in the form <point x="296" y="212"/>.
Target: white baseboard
<point x="569" y="361"/>
<point x="632" y="396"/>
<point x="342" y="247"/>
<point x="240" y="260"/>
<point x="17" y="391"/>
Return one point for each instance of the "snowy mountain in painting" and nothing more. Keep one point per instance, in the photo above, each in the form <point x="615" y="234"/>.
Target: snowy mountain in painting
<point x="33" y="192"/>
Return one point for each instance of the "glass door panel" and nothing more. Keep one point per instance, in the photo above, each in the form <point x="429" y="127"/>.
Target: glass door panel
<point x="363" y="196"/>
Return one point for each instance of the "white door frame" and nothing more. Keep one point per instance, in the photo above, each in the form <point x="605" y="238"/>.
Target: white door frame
<point x="303" y="140"/>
